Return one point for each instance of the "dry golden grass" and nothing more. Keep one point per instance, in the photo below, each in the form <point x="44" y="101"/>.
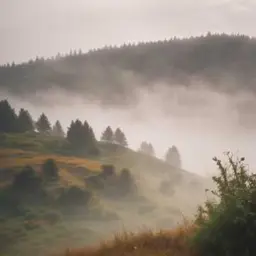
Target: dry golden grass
<point x="16" y="158"/>
<point x="163" y="243"/>
<point x="70" y="180"/>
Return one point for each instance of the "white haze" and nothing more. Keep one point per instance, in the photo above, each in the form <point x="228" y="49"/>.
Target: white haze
<point x="201" y="123"/>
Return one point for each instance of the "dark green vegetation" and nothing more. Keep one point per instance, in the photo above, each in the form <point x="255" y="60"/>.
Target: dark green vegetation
<point x="225" y="62"/>
<point x="226" y="225"/>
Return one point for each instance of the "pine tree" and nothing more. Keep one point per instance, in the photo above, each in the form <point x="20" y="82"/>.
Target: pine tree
<point x="173" y="157"/>
<point x="8" y="118"/>
<point x="25" y="122"/>
<point x="57" y="130"/>
<point x="147" y="148"/>
<point x="151" y="150"/>
<point x="108" y="135"/>
<point x="119" y="137"/>
<point x="81" y="137"/>
<point x="74" y="134"/>
<point x="43" y="125"/>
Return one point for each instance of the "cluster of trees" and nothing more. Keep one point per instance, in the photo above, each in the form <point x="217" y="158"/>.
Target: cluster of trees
<point x="114" y="137"/>
<point x="112" y="184"/>
<point x="147" y="148"/>
<point x="10" y="122"/>
<point x="81" y="136"/>
<point x="175" y="61"/>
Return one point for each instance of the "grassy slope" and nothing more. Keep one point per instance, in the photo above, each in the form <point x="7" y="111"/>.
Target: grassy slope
<point x="20" y="150"/>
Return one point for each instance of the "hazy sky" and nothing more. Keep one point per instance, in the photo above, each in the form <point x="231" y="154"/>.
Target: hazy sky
<point x="45" y="27"/>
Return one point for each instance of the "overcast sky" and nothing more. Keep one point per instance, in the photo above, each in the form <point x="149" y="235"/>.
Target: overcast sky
<point x="44" y="27"/>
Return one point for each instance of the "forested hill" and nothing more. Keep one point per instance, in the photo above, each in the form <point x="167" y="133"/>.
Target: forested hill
<point x="226" y="62"/>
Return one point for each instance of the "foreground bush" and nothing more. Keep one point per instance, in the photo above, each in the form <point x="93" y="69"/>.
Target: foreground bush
<point x="227" y="226"/>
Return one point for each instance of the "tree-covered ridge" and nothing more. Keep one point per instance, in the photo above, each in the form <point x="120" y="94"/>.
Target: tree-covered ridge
<point x="111" y="71"/>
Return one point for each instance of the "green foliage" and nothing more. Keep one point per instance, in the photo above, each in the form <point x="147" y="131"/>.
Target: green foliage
<point x="82" y="138"/>
<point x="50" y="170"/>
<point x="43" y="125"/>
<point x="119" y="138"/>
<point x="108" y="170"/>
<point x="25" y="122"/>
<point x="211" y="58"/>
<point x="74" y="196"/>
<point x="108" y="135"/>
<point x="27" y="181"/>
<point x="8" y="118"/>
<point x="227" y="226"/>
<point x="126" y="184"/>
<point x="57" y="130"/>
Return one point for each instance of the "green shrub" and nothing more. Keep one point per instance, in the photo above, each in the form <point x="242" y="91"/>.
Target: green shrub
<point x="27" y="180"/>
<point x="227" y="226"/>
<point x="74" y="196"/>
<point x="50" y="170"/>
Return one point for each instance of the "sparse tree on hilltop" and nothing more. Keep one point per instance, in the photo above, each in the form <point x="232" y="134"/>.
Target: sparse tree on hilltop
<point x="43" y="125"/>
<point x="108" y="135"/>
<point x="25" y="122"/>
<point x="147" y="148"/>
<point x="173" y="157"/>
<point x="57" y="130"/>
<point x="119" y="137"/>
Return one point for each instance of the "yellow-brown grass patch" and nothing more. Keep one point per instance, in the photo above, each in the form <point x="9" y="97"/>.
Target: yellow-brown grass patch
<point x="163" y="243"/>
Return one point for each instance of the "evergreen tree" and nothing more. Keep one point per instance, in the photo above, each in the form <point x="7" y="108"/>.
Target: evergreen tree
<point x="25" y="122"/>
<point x="43" y="125"/>
<point x="147" y="148"/>
<point x="8" y="118"/>
<point x="81" y="137"/>
<point x="108" y="135"/>
<point x="75" y="134"/>
<point x="119" y="137"/>
<point x="173" y="157"/>
<point x="57" y="130"/>
<point x="151" y="150"/>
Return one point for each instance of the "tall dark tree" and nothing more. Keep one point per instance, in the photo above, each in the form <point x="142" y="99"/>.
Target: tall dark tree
<point x="57" y="130"/>
<point x="81" y="136"/>
<point x="108" y="135"/>
<point x="25" y="122"/>
<point x="43" y="125"/>
<point x="120" y="138"/>
<point x="173" y="157"/>
<point x="8" y="118"/>
<point x="75" y="134"/>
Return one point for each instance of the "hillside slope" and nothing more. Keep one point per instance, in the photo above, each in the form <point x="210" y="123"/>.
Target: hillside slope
<point x="224" y="62"/>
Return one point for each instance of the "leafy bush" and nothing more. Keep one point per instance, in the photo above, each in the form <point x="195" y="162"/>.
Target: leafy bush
<point x="227" y="226"/>
<point x="108" y="170"/>
<point x="75" y="196"/>
<point x="50" y="170"/>
<point x="27" y="180"/>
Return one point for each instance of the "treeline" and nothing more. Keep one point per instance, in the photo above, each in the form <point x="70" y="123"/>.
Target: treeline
<point x="209" y="58"/>
<point x="80" y="135"/>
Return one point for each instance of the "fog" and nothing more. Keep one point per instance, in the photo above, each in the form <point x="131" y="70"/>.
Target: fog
<point x="200" y="122"/>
